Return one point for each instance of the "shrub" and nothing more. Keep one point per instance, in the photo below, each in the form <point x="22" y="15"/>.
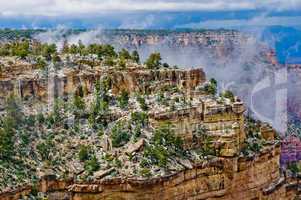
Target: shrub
<point x="252" y="145"/>
<point x="92" y="165"/>
<point x="78" y="103"/>
<point x="145" y="172"/>
<point x="6" y="140"/>
<point x="157" y="154"/>
<point x="117" y="163"/>
<point x="13" y="111"/>
<point x="121" y="63"/>
<point x="160" y="98"/>
<point x="163" y="145"/>
<point x="142" y="103"/>
<point x="166" y="65"/>
<point x="41" y="63"/>
<point x="139" y="118"/>
<point x="137" y="132"/>
<point x="119" y="135"/>
<point x="135" y="57"/>
<point x="229" y="95"/>
<point x="30" y="120"/>
<point x="154" y="61"/>
<point x="57" y="110"/>
<point x="84" y="153"/>
<point x="10" y="123"/>
<point x="144" y="163"/>
<point x="123" y="99"/>
<point x="124" y="54"/>
<point x="108" y="51"/>
<point x="109" y="62"/>
<point x="211" y="87"/>
<point x="44" y="148"/>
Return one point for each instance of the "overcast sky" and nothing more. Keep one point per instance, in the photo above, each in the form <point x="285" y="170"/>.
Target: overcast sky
<point x="143" y="13"/>
<point x="78" y="7"/>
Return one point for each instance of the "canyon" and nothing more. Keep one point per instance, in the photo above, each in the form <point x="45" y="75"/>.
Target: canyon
<point x="213" y="149"/>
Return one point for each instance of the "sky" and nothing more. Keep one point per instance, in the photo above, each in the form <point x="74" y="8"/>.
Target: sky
<point x="92" y="7"/>
<point x="148" y="13"/>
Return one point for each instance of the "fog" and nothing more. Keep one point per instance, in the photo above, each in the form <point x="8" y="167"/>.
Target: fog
<point x="242" y="67"/>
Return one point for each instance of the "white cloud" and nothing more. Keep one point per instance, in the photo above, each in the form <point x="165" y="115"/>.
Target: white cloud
<point x="78" y="7"/>
<point x="257" y="21"/>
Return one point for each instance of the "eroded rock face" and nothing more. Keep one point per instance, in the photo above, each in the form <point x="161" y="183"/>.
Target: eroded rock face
<point x="225" y="179"/>
<point x="66" y="83"/>
<point x="230" y="175"/>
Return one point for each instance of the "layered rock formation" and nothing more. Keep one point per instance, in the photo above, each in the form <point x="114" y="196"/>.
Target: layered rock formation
<point x="223" y="155"/>
<point x="66" y="82"/>
<point x="231" y="175"/>
<point x="236" y="178"/>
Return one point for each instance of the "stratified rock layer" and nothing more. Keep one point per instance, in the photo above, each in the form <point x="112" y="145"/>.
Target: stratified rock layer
<point x="137" y="80"/>
<point x="229" y="176"/>
<point x="225" y="179"/>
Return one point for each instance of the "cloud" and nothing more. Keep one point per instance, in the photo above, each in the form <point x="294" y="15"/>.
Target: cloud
<point x="93" y="7"/>
<point x="236" y="23"/>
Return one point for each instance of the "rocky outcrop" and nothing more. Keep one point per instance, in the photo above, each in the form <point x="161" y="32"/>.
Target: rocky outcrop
<point x="228" y="175"/>
<point x="243" y="178"/>
<point x="67" y="82"/>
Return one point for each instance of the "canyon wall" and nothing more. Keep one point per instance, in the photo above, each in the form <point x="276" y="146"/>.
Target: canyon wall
<point x="66" y="83"/>
<point x="220" y="179"/>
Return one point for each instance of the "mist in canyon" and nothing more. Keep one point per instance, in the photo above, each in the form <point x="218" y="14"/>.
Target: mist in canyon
<point x="244" y="64"/>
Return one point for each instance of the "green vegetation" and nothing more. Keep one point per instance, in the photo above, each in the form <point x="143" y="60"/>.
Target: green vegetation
<point x="229" y="95"/>
<point x="139" y="118"/>
<point x="163" y="146"/>
<point x="142" y="103"/>
<point x="154" y="61"/>
<point x="8" y="128"/>
<point x="254" y="142"/>
<point x="294" y="168"/>
<point x="84" y="153"/>
<point x="41" y="63"/>
<point x="211" y="87"/>
<point x="82" y="131"/>
<point x="145" y="172"/>
<point x="124" y="54"/>
<point x="207" y="144"/>
<point x="87" y="156"/>
<point x="123" y="99"/>
<point x="252" y="145"/>
<point x="44" y="148"/>
<point x="100" y="105"/>
<point x="135" y="57"/>
<point x="92" y="165"/>
<point x="119" y="134"/>
<point x="121" y="63"/>
<point x="79" y="104"/>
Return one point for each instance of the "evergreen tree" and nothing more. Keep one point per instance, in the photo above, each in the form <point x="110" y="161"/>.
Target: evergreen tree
<point x="154" y="61"/>
<point x="10" y="123"/>
<point x="121" y="63"/>
<point x="124" y="54"/>
<point x="123" y="99"/>
<point x="135" y="56"/>
<point x="73" y="49"/>
<point x="41" y="63"/>
<point x="66" y="48"/>
<point x="81" y="48"/>
<point x="56" y="58"/>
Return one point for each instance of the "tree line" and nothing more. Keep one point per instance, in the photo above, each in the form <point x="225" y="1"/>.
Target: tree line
<point x="44" y="52"/>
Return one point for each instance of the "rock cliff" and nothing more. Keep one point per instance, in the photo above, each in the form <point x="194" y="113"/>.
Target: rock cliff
<point x="230" y="175"/>
<point x="130" y="131"/>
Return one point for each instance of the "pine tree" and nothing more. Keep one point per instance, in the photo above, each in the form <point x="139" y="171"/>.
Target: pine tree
<point x="66" y="48"/>
<point x="135" y="57"/>
<point x="154" y="61"/>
